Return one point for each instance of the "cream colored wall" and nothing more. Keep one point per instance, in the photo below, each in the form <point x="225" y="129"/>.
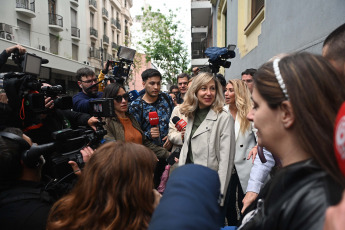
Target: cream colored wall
<point x="248" y="39"/>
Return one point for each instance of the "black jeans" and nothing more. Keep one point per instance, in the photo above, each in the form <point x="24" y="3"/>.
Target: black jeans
<point x="233" y="201"/>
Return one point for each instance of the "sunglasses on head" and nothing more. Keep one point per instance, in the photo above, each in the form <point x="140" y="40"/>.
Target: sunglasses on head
<point x="118" y="98"/>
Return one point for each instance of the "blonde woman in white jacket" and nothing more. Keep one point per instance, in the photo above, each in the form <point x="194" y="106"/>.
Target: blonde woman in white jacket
<point x="238" y="103"/>
<point x="209" y="137"/>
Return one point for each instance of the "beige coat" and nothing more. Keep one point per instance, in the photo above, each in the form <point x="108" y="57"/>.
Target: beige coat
<point x="213" y="145"/>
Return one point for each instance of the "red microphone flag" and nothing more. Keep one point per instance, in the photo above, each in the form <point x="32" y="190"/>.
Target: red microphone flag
<point x="339" y="138"/>
<point x="153" y="118"/>
<point x="180" y="125"/>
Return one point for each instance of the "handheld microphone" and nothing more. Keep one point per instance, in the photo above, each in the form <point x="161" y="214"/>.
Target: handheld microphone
<point x="339" y="138"/>
<point x="133" y="95"/>
<point x="154" y="121"/>
<point x="179" y="123"/>
<point x="153" y="118"/>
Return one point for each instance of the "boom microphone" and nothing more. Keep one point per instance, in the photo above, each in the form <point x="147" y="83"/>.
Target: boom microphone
<point x="179" y="123"/>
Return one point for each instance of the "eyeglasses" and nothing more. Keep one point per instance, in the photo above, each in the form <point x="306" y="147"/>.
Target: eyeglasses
<point x="118" y="98"/>
<point x="90" y="81"/>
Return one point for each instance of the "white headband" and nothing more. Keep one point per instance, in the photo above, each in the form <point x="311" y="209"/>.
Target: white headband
<point x="279" y="77"/>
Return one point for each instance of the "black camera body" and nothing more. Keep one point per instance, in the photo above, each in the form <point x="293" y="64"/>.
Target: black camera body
<point x="219" y="57"/>
<point x="61" y="100"/>
<point x="121" y="68"/>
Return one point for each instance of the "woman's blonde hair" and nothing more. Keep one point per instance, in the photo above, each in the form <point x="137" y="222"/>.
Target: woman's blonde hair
<point x="243" y="102"/>
<point x="191" y="101"/>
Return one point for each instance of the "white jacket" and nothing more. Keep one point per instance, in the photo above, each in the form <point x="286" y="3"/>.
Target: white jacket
<point x="213" y="145"/>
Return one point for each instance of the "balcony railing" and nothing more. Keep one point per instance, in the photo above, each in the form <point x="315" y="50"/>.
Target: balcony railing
<point x="104" y="12"/>
<point x="95" y="53"/>
<point x="114" y="45"/>
<point x="26" y="4"/>
<point x="55" y="19"/>
<point x="75" y="32"/>
<point x="105" y="39"/>
<point x="118" y="25"/>
<point x="198" y="49"/>
<point x="93" y="3"/>
<point x="113" y="21"/>
<point x="93" y="32"/>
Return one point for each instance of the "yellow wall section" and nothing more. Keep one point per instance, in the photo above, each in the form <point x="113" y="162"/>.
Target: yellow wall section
<point x="248" y="40"/>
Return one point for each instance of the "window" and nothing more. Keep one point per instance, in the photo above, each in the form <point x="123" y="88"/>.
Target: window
<point x="54" y="44"/>
<point x="23" y="33"/>
<point x="104" y="28"/>
<point x="91" y="19"/>
<point x="73" y="18"/>
<point x="75" y="49"/>
<point x="257" y="5"/>
<point x="113" y="35"/>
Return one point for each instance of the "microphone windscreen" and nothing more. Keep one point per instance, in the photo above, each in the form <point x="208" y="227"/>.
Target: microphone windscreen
<point x="175" y="119"/>
<point x="153" y="118"/>
<point x="133" y="95"/>
<point x="339" y="138"/>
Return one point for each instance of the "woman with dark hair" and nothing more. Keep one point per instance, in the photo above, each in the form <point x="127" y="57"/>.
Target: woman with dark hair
<point x="296" y="100"/>
<point x="115" y="191"/>
<point x="124" y="126"/>
<point x="209" y="136"/>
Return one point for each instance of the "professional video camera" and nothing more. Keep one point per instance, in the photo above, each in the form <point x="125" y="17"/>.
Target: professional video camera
<point x="69" y="142"/>
<point x="61" y="101"/>
<point x="67" y="146"/>
<point x="22" y="88"/>
<point x="218" y="57"/>
<point x="122" y="67"/>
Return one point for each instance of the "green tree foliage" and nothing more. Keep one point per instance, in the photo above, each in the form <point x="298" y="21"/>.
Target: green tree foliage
<point x="162" y="43"/>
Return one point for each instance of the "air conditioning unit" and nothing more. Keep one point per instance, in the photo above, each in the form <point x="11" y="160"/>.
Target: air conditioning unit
<point x="43" y="48"/>
<point x="5" y="27"/>
<point x="6" y="36"/>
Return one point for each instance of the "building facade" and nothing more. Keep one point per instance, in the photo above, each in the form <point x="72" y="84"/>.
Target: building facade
<point x="61" y="32"/>
<point x="262" y="29"/>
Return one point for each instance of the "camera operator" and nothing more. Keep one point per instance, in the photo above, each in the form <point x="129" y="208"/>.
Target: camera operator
<point x="24" y="202"/>
<point x="6" y="113"/>
<point x="56" y="119"/>
<point x="8" y="51"/>
<point x="87" y="82"/>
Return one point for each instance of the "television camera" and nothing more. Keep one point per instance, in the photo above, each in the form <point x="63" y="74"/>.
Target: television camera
<point x="120" y="68"/>
<point x="218" y="57"/>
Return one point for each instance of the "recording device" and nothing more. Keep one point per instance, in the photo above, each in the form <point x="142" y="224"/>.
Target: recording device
<point x="102" y="107"/>
<point x="180" y="124"/>
<point x="68" y="143"/>
<point x="171" y="157"/>
<point x="23" y="88"/>
<point x="218" y="57"/>
<point x="153" y="118"/>
<point x="133" y="95"/>
<point x="121" y="68"/>
<point x="339" y="138"/>
<point x="154" y="122"/>
<point x="58" y="95"/>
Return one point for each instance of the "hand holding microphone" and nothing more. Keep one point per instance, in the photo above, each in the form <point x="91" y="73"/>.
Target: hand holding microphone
<point x="180" y="125"/>
<point x="154" y="121"/>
